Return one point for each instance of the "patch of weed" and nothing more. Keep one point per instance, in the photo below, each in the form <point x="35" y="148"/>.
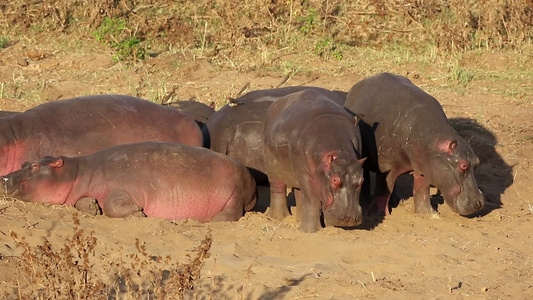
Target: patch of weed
<point x="4" y="41"/>
<point x="308" y="23"/>
<point x="46" y="271"/>
<point x="461" y="75"/>
<point x="116" y="33"/>
<point x="327" y="47"/>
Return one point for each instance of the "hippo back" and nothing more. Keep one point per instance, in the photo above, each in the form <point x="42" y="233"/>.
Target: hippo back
<point x="85" y="125"/>
<point x="235" y="129"/>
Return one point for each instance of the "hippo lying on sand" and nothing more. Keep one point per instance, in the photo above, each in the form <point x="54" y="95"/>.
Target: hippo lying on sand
<point x="84" y="125"/>
<point x="311" y="143"/>
<point x="405" y="129"/>
<point x="162" y="180"/>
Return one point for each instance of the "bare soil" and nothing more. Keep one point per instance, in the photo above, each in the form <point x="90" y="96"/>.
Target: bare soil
<point x="404" y="256"/>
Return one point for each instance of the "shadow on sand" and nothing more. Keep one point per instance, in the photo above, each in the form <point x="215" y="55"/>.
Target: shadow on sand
<point x="493" y="175"/>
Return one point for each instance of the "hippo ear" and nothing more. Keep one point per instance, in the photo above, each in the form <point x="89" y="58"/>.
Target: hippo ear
<point x="212" y="105"/>
<point x="361" y="161"/>
<point x="57" y="163"/>
<point x="447" y="146"/>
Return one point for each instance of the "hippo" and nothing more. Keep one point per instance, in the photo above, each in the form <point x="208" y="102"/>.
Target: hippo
<point x="85" y="125"/>
<point x="7" y="113"/>
<point x="404" y="129"/>
<point x="201" y="112"/>
<point x="155" y="179"/>
<point x="235" y="129"/>
<point x="313" y="144"/>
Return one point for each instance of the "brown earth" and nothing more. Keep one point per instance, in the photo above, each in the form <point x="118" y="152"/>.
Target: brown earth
<point x="404" y="256"/>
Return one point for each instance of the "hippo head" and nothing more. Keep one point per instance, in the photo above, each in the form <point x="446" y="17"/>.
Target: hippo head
<point x="43" y="181"/>
<point x="340" y="184"/>
<point x="451" y="170"/>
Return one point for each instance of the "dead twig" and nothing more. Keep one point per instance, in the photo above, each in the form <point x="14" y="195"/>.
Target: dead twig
<point x="166" y="98"/>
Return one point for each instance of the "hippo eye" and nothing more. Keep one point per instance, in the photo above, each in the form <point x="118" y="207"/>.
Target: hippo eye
<point x="463" y="165"/>
<point x="335" y="182"/>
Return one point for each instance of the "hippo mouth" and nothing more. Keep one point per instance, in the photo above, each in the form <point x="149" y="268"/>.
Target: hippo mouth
<point x="465" y="205"/>
<point x="7" y="188"/>
<point x="337" y="218"/>
<point x="342" y="220"/>
<point x="11" y="187"/>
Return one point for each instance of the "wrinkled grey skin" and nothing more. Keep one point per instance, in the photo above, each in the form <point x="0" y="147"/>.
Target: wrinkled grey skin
<point x="199" y="111"/>
<point x="313" y="144"/>
<point x="404" y="129"/>
<point x="84" y="125"/>
<point x="235" y="129"/>
<point x="5" y="113"/>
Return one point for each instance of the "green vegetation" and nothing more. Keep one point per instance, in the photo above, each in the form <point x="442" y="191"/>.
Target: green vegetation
<point x="4" y="41"/>
<point x="461" y="75"/>
<point x="116" y="33"/>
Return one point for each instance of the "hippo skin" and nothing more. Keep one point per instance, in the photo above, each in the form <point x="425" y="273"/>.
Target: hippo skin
<point x="7" y="113"/>
<point x="404" y="129"/>
<point x="84" y="125"/>
<point x="235" y="129"/>
<point x="313" y="144"/>
<point x="156" y="179"/>
<point x="200" y="112"/>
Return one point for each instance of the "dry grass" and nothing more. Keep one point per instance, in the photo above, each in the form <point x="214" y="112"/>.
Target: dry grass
<point x="216" y="28"/>
<point x="48" y="272"/>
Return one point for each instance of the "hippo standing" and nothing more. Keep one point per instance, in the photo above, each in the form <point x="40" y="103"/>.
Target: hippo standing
<point x="7" y="113"/>
<point x="313" y="144"/>
<point x="163" y="180"/>
<point x="405" y="129"/>
<point x="84" y="125"/>
<point x="235" y="129"/>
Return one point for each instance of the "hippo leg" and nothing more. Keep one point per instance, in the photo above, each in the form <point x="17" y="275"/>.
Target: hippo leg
<point x="232" y="211"/>
<point x="298" y="198"/>
<point x="88" y="205"/>
<point x="380" y="201"/>
<point x="278" y="200"/>
<point x="311" y="209"/>
<point x="421" y="195"/>
<point x="119" y="204"/>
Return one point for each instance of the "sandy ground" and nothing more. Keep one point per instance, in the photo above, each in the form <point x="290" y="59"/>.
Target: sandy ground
<point x="404" y="256"/>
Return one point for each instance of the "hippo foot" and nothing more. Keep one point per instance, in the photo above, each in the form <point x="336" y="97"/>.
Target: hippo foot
<point x="89" y="206"/>
<point x="310" y="226"/>
<point x="139" y="213"/>
<point x="278" y="214"/>
<point x="425" y="209"/>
